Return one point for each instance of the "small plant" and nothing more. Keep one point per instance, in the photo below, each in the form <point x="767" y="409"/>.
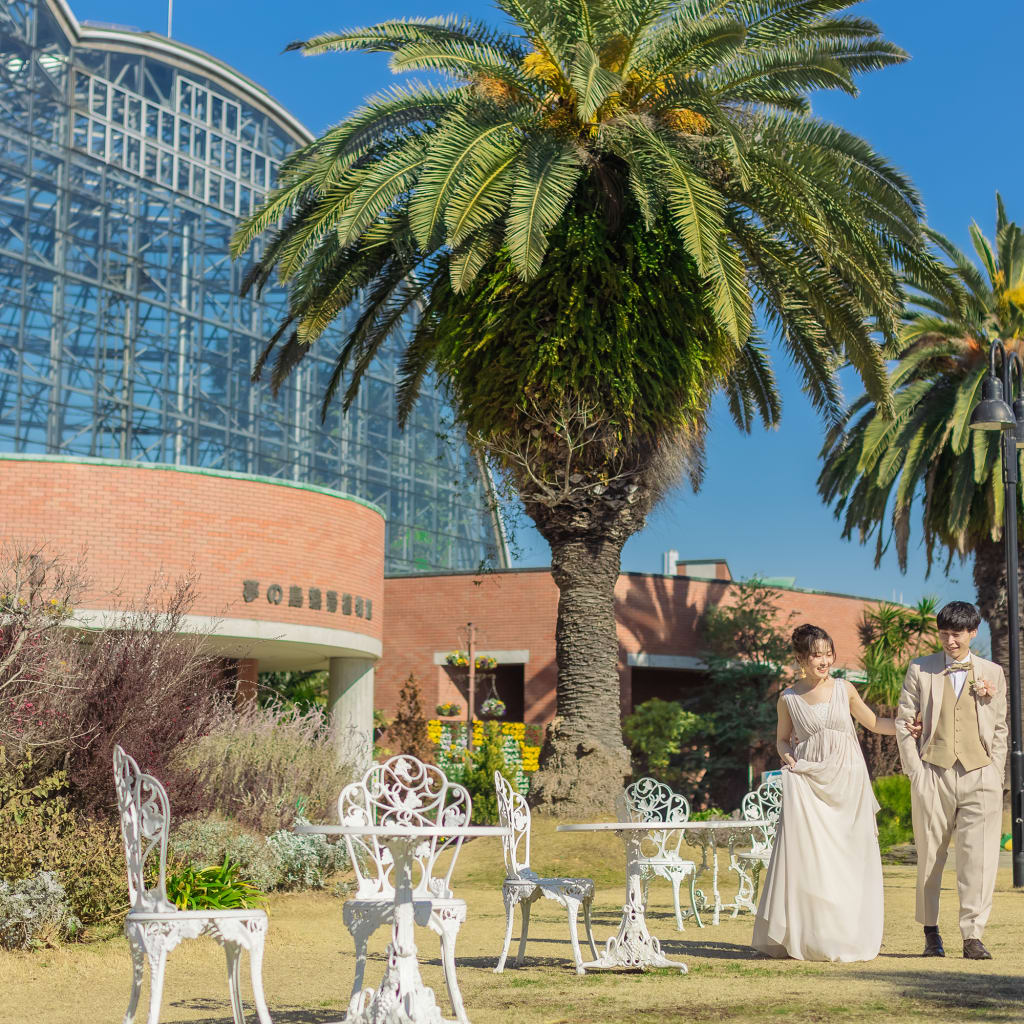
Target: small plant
<point x="487" y="758"/>
<point x="210" y="840"/>
<point x="449" y="710"/>
<point x="657" y="730"/>
<point x="305" y="862"/>
<point x="408" y="733"/>
<point x="35" y="912"/>
<point x="213" y="888"/>
<point x="493" y="706"/>
<point x="894" y="817"/>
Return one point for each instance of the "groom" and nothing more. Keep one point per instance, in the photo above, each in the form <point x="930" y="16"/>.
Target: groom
<point x="956" y="774"/>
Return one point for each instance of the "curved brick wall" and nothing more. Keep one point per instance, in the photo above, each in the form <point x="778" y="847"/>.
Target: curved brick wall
<point x="266" y="551"/>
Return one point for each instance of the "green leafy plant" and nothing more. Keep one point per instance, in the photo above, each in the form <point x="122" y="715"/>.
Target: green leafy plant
<point x="486" y="758"/>
<point x="747" y="652"/>
<point x="895" y="826"/>
<point x="657" y="730"/>
<point x="891" y="635"/>
<point x="40" y="832"/>
<point x="219" y="887"/>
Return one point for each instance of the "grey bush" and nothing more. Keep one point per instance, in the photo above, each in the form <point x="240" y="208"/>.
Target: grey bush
<point x="284" y="861"/>
<point x="35" y="912"/>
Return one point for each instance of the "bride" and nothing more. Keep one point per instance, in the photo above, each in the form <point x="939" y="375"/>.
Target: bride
<point x="822" y="895"/>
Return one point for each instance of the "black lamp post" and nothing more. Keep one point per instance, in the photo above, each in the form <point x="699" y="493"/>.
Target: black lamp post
<point x="993" y="413"/>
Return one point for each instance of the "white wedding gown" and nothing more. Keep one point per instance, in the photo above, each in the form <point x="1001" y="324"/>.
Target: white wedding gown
<point x="822" y="895"/>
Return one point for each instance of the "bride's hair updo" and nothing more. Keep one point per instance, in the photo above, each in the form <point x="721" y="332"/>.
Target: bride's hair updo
<point x="807" y="638"/>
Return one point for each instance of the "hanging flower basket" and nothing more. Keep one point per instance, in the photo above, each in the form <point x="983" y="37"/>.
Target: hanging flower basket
<point x="448" y="710"/>
<point x="493" y="707"/>
<point x="459" y="659"/>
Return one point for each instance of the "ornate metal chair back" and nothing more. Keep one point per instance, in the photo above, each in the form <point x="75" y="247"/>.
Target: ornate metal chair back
<point x="648" y="800"/>
<point x="404" y="791"/>
<point x="145" y="824"/>
<point x="764" y="803"/>
<point x="514" y="814"/>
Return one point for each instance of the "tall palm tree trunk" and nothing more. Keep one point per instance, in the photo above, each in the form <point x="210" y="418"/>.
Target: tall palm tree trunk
<point x="991" y="588"/>
<point x="584" y="761"/>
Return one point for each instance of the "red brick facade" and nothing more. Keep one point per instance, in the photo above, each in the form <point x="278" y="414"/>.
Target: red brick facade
<point x="515" y="611"/>
<point x="133" y="522"/>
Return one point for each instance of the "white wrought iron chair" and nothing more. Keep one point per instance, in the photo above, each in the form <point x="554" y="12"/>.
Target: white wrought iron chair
<point x="524" y="886"/>
<point x="761" y="804"/>
<point x="648" y="800"/>
<point x="154" y="925"/>
<point x="405" y="791"/>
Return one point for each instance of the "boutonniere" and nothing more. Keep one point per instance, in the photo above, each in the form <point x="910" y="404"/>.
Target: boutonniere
<point x="983" y="689"/>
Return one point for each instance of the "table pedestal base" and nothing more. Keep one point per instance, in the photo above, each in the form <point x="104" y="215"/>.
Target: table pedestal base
<point x="633" y="947"/>
<point x="401" y="997"/>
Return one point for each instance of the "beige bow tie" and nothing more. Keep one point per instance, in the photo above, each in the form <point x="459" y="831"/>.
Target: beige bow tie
<point x="957" y="666"/>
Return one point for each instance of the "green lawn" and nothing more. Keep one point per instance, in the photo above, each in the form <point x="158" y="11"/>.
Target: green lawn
<point x="309" y="963"/>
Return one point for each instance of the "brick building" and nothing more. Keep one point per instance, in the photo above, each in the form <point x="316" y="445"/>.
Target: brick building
<point x="514" y="611"/>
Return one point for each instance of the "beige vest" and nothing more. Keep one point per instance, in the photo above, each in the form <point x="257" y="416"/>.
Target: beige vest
<point x="956" y="736"/>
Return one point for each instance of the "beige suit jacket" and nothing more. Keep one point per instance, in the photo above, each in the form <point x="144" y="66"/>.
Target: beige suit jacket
<point x="922" y="695"/>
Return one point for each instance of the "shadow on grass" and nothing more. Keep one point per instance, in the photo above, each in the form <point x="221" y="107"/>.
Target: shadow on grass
<point x="708" y="949"/>
<point x="983" y="996"/>
<point x="220" y="1012"/>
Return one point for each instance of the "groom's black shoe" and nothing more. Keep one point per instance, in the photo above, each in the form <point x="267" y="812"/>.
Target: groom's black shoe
<point x="933" y="945"/>
<point x="974" y="950"/>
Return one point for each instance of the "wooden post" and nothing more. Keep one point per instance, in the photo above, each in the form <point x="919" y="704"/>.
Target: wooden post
<point x="472" y="684"/>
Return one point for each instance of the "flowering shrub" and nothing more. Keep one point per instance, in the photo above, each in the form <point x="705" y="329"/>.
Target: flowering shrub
<point x="35" y="912"/>
<point x="520" y="756"/>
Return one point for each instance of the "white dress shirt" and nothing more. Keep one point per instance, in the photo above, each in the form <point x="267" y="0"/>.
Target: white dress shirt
<point x="959" y="677"/>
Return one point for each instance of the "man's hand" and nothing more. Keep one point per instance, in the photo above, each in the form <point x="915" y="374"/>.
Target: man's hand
<point x="914" y="728"/>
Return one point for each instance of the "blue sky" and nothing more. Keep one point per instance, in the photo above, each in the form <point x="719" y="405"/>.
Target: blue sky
<point x="951" y="117"/>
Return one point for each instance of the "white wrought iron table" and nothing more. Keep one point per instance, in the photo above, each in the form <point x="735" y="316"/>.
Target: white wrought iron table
<point x="401" y="997"/>
<point x="632" y="946"/>
<point x="730" y="832"/>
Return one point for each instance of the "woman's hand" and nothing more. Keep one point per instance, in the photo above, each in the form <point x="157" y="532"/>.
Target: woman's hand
<point x="787" y="761"/>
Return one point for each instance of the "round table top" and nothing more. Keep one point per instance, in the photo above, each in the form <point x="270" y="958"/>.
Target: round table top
<point x="403" y="831"/>
<point x="662" y="826"/>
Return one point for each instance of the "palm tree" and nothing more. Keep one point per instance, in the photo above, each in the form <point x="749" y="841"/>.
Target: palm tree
<point x="882" y="465"/>
<point x="572" y="234"/>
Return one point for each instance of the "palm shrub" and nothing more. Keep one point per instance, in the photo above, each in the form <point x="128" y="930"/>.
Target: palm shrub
<point x="577" y="229"/>
<point x="891" y="636"/>
<point x="884" y="468"/>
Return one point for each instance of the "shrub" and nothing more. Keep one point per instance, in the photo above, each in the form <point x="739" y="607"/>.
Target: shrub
<point x="146" y="684"/>
<point x="214" y="888"/>
<point x="201" y="841"/>
<point x="262" y="765"/>
<point x="657" y="729"/>
<point x="35" y="912"/>
<point x="407" y="733"/>
<point x="487" y="757"/>
<point x="894" y="817"/>
<point x="305" y="862"/>
<point x="39" y="832"/>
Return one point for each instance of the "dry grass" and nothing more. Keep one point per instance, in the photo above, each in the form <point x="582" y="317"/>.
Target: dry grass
<point x="309" y="963"/>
